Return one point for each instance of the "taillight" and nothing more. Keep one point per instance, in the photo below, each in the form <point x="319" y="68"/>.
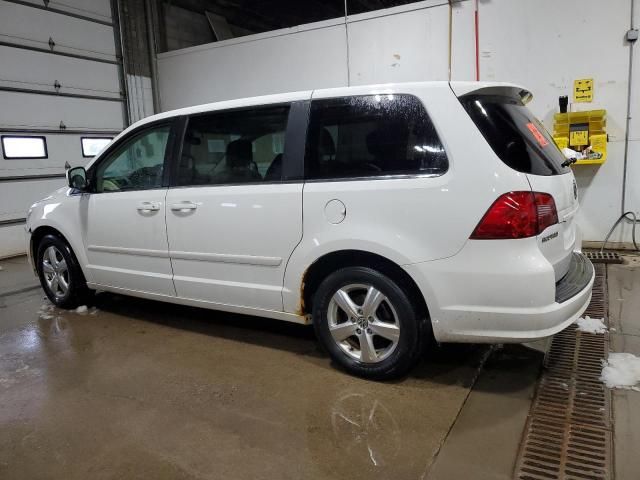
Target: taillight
<point x="517" y="215"/>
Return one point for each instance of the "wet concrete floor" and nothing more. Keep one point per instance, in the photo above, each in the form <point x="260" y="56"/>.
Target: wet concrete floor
<point x="134" y="388"/>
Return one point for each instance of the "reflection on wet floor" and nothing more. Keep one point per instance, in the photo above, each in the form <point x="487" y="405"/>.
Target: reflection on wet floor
<point x="135" y="388"/>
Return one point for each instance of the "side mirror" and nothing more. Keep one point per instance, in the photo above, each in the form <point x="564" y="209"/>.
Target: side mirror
<point x="77" y="178"/>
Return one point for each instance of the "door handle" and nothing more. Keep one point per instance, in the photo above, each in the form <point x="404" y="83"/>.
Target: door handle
<point x="148" y="207"/>
<point x="183" y="206"/>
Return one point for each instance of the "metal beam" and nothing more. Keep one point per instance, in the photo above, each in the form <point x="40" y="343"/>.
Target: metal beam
<point x="122" y="66"/>
<point x="151" y="33"/>
<point x="61" y="12"/>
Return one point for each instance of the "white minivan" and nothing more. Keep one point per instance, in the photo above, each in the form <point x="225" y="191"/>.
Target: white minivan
<point x="385" y="215"/>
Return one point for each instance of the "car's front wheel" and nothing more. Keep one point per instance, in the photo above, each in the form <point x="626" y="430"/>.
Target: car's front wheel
<point x="60" y="274"/>
<point x="367" y="323"/>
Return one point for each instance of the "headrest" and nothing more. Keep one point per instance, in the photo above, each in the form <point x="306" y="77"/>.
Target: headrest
<point x="326" y="144"/>
<point x="239" y="153"/>
<point x="192" y="140"/>
<point x="275" y="169"/>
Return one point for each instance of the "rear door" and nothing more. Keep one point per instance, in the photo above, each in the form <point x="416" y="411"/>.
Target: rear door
<point x="520" y="140"/>
<point x="234" y="212"/>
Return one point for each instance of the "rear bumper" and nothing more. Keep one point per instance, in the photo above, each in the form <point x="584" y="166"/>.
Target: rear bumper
<point x="494" y="292"/>
<point x="576" y="279"/>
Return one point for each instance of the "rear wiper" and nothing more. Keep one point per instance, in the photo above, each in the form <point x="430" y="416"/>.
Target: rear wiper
<point x="568" y="161"/>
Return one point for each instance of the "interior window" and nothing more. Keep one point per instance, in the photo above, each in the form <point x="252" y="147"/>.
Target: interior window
<point x="239" y="146"/>
<point x="135" y="165"/>
<point x="372" y="135"/>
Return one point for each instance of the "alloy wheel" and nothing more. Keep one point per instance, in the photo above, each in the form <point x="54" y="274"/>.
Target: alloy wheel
<point x="56" y="272"/>
<point x="363" y="323"/>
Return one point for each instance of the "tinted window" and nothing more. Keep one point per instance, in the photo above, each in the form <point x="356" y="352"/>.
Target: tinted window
<point x="136" y="164"/>
<point x="240" y="146"/>
<point x="515" y="134"/>
<point x="371" y="135"/>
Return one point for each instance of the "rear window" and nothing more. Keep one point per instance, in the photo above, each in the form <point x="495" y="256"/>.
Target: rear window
<point x="515" y="134"/>
<point x="370" y="136"/>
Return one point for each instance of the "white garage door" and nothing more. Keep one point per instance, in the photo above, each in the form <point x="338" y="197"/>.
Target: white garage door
<point x="59" y="84"/>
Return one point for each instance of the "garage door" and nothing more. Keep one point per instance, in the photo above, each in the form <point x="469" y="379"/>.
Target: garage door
<point x="60" y="87"/>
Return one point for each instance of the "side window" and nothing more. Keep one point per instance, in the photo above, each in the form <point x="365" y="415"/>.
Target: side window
<point x="137" y="164"/>
<point x="371" y="135"/>
<point x="239" y="146"/>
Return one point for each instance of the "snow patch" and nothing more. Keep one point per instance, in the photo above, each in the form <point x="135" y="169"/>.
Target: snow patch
<point x="621" y="370"/>
<point x="82" y="309"/>
<point x="591" y="325"/>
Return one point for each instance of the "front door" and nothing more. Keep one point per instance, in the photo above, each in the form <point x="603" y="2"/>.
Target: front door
<point x="232" y="219"/>
<point x="125" y="234"/>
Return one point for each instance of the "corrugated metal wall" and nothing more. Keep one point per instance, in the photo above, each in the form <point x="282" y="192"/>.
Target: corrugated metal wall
<point x="69" y="70"/>
<point x="59" y="79"/>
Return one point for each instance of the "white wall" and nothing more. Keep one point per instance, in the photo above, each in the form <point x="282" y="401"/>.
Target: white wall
<point x="541" y="44"/>
<point x="399" y="44"/>
<point x="399" y="47"/>
<point x="293" y="59"/>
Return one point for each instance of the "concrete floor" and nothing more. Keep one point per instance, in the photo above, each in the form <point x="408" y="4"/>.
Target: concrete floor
<point x="624" y="321"/>
<point x="140" y="389"/>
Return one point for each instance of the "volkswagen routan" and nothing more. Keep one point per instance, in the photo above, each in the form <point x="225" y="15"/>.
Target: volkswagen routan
<point x="385" y="215"/>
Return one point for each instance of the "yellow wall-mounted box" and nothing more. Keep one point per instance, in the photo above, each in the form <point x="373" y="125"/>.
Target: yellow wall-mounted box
<point x="581" y="129"/>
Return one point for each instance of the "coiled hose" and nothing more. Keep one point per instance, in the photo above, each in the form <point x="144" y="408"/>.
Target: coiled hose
<point x="633" y="230"/>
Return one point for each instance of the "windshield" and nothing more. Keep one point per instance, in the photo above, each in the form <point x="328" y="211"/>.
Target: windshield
<point x="515" y="134"/>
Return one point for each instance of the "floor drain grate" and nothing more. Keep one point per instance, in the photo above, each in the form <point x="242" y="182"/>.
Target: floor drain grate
<point x="607" y="256"/>
<point x="568" y="431"/>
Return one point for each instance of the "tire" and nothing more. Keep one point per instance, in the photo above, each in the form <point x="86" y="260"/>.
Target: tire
<point x="60" y="274"/>
<point x="378" y="334"/>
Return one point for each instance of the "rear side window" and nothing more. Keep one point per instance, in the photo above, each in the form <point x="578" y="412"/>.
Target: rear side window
<point x="231" y="147"/>
<point x="515" y="134"/>
<point x="371" y="135"/>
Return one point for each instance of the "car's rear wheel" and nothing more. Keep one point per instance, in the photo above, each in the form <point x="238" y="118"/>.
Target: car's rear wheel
<point x="59" y="273"/>
<point x="367" y="323"/>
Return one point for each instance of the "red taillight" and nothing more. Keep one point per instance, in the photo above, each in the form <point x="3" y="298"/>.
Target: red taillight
<point x="517" y="215"/>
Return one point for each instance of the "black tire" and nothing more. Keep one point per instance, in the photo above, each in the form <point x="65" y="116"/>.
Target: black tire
<point x="399" y="306"/>
<point x="77" y="293"/>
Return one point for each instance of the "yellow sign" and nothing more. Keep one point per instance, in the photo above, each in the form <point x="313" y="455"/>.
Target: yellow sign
<point x="578" y="138"/>
<point x="561" y="142"/>
<point x="583" y="90"/>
